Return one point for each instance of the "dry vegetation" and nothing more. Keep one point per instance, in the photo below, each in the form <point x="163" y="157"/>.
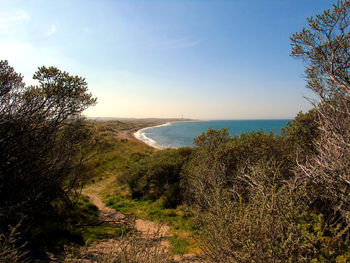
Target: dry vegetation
<point x="256" y="197"/>
<point x="133" y="247"/>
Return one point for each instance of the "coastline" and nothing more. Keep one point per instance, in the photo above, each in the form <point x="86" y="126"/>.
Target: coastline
<point x="140" y="136"/>
<point x="128" y="135"/>
<point x="239" y="126"/>
<point x="136" y="135"/>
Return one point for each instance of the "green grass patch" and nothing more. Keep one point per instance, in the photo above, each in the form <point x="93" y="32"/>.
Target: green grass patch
<point x="90" y="227"/>
<point x="117" y="157"/>
<point x="180" y="245"/>
<point x="103" y="232"/>
<point x="179" y="220"/>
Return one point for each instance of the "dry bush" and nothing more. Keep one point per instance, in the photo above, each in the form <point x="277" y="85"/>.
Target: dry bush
<point x="12" y="250"/>
<point x="327" y="173"/>
<point x="254" y="215"/>
<point x="264" y="229"/>
<point x="132" y="247"/>
<point x="251" y="213"/>
<point x="325" y="48"/>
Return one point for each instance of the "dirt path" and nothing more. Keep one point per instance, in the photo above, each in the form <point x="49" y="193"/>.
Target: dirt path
<point x="114" y="217"/>
<point x="147" y="229"/>
<point x="107" y="214"/>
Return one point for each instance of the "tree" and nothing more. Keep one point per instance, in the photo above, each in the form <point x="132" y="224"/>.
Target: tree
<point x="44" y="142"/>
<point x="325" y="49"/>
<point x="301" y="134"/>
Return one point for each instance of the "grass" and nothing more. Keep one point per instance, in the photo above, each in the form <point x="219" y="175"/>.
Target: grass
<point x="79" y="225"/>
<point x="112" y="162"/>
<point x="86" y="223"/>
<point x="180" y="245"/>
<point x="179" y="220"/>
<point x="90" y="227"/>
<point x="92" y="234"/>
<point x="118" y="151"/>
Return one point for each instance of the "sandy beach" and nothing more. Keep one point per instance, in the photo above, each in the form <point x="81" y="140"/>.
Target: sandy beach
<point x="129" y="135"/>
<point x="138" y="134"/>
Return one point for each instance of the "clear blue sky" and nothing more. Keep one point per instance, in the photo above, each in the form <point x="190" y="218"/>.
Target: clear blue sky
<point x="206" y="59"/>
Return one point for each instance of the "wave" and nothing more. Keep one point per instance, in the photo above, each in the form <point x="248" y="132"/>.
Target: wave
<point x="141" y="135"/>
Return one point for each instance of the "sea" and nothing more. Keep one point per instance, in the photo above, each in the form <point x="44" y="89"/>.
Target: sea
<point x="180" y="134"/>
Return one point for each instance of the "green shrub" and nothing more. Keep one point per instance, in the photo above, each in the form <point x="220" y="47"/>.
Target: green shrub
<point x="158" y="175"/>
<point x="302" y="133"/>
<point x="230" y="157"/>
<point x="248" y="204"/>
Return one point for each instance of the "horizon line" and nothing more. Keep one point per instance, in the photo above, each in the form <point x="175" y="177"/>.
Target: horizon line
<point x="194" y="119"/>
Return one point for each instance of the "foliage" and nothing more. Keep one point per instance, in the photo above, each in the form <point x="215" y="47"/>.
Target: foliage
<point x="253" y="202"/>
<point x="261" y="230"/>
<point x="252" y="214"/>
<point x="79" y="225"/>
<point x="158" y="176"/>
<point x="44" y="145"/>
<point x="302" y="133"/>
<point x="12" y="249"/>
<point x="325" y="48"/>
<point x="232" y="157"/>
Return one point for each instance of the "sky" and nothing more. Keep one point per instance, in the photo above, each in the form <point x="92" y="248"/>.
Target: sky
<point x="203" y="59"/>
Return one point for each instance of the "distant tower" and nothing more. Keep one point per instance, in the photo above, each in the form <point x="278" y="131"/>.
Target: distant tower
<point x="182" y="116"/>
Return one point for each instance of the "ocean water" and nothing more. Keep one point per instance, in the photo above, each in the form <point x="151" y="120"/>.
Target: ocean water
<point x="179" y="134"/>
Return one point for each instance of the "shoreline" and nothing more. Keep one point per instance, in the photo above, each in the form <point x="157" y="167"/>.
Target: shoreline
<point x="144" y="139"/>
<point x="131" y="135"/>
<point x="128" y="135"/>
<point x="138" y="135"/>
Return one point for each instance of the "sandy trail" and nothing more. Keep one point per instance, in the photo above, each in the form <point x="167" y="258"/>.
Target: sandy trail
<point x="114" y="217"/>
<point x="107" y="214"/>
<point x="147" y="229"/>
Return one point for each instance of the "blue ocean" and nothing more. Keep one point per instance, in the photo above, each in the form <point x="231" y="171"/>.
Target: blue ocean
<point x="179" y="134"/>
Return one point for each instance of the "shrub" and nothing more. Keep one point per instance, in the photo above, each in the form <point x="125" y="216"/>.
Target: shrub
<point x="302" y="133"/>
<point x="324" y="47"/>
<point x="158" y="175"/>
<point x="243" y="194"/>
<point x="12" y="248"/>
<point x="230" y="157"/>
<point x="44" y="144"/>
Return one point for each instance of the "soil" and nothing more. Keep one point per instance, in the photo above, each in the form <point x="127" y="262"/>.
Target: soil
<point x="147" y="229"/>
<point x="114" y="217"/>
